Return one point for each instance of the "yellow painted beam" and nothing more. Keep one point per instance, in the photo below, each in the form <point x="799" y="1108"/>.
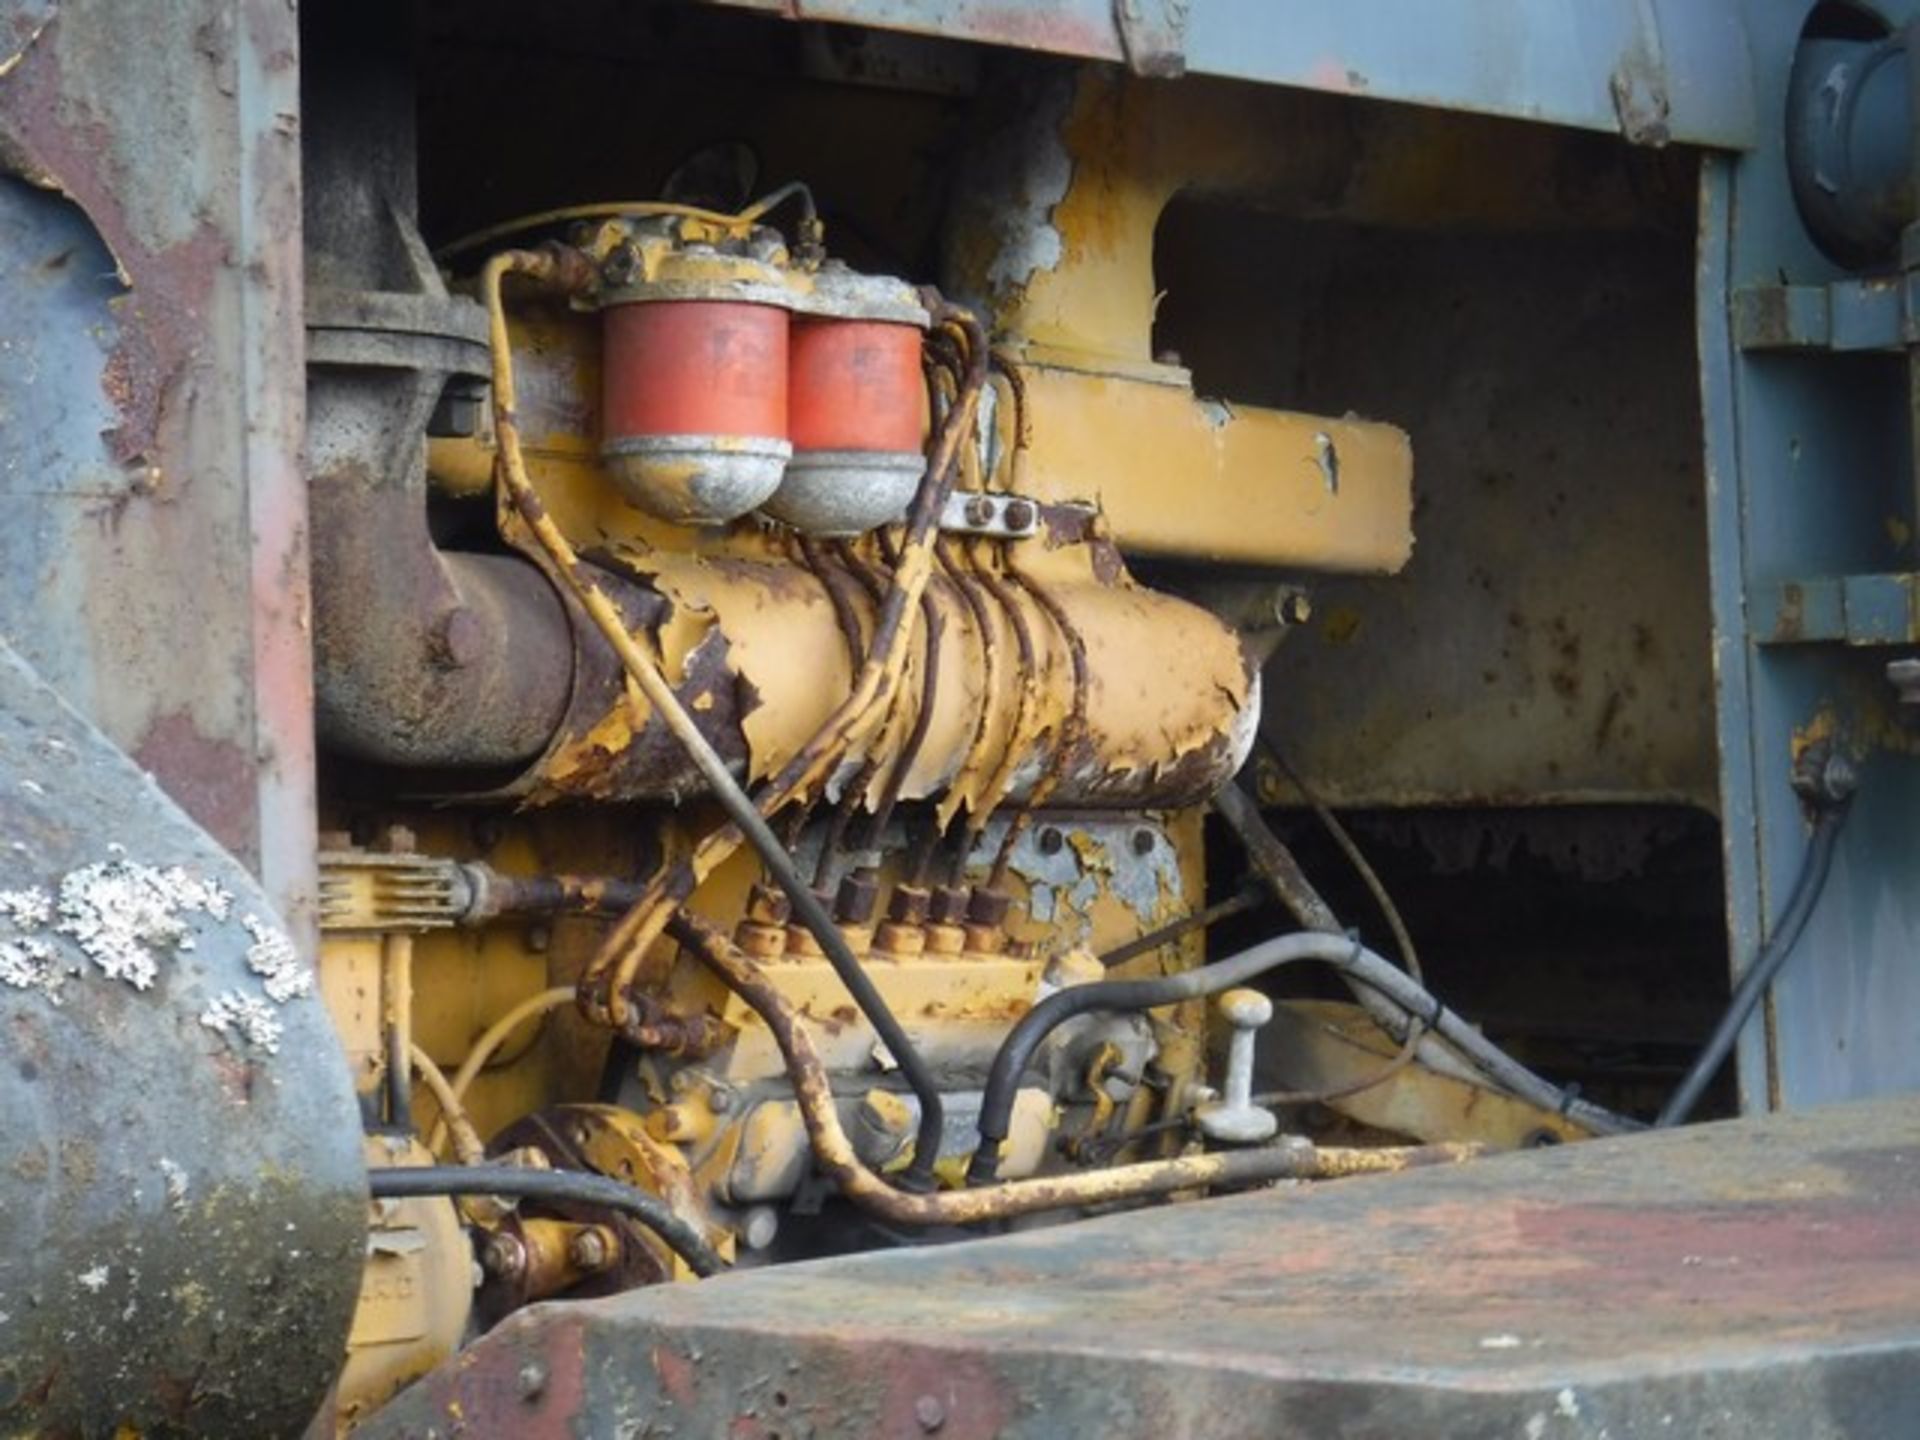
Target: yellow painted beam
<point x="1202" y="480"/>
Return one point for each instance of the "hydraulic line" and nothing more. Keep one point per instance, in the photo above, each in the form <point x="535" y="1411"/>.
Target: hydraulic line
<point x="1352" y="959"/>
<point x="549" y="267"/>
<point x="1274" y="863"/>
<point x="836" y="1158"/>
<point x="468" y="1147"/>
<point x="1245" y="899"/>
<point x="412" y="1182"/>
<point x="1402" y="940"/>
<point x="1760" y="975"/>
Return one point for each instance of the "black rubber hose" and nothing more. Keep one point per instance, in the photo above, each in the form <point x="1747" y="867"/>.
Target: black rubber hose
<point x="1016" y="1051"/>
<point x="1801" y="900"/>
<point x="412" y="1182"/>
<point x="1348" y="956"/>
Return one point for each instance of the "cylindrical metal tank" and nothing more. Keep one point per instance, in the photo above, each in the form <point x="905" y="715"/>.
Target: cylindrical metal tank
<point x="856" y="401"/>
<point x="694" y="378"/>
<point x="182" y="1201"/>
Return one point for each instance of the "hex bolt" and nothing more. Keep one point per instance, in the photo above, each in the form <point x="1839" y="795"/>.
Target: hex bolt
<point x="589" y="1250"/>
<point x="1234" y="1119"/>
<point x="504" y="1255"/>
<point x="979" y="511"/>
<point x="1020" y="515"/>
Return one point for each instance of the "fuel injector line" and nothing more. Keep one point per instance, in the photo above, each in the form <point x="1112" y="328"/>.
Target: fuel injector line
<point x="1352" y="959"/>
<point x="549" y="267"/>
<point x="1760" y="975"/>
<point x="835" y="1157"/>
<point x="575" y="1187"/>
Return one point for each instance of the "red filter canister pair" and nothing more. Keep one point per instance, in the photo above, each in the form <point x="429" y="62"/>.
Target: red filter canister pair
<point x="720" y="399"/>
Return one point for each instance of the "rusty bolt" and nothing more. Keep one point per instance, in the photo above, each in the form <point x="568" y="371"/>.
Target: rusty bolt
<point x="909" y="905"/>
<point x="459" y="640"/>
<point x="1291" y="606"/>
<point x="504" y="1255"/>
<point x="979" y="511"/>
<point x="621" y="266"/>
<point x="1021" y="514"/>
<point x="768" y="906"/>
<point x="589" y="1250"/>
<point x="988" y="907"/>
<point x="930" y="1413"/>
<point x="949" y="905"/>
<point x="859" y="893"/>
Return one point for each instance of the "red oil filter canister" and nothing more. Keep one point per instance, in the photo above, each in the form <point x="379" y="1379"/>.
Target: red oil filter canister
<point x="694" y="376"/>
<point x="856" y="404"/>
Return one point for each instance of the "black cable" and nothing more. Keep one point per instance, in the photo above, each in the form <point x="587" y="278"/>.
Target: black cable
<point x="1016" y="1051"/>
<point x="1248" y="897"/>
<point x="1801" y="900"/>
<point x="412" y="1182"/>
<point x="1344" y="953"/>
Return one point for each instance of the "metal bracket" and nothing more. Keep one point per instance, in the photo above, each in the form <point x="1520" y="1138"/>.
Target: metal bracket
<point x="1861" y="610"/>
<point x="1153" y="36"/>
<point x="1847" y="315"/>
<point x="976" y="512"/>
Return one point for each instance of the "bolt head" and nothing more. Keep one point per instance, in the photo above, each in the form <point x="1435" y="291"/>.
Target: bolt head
<point x="504" y="1255"/>
<point x="930" y="1413"/>
<point x="759" y="1226"/>
<point x="461" y="639"/>
<point x="1020" y="514"/>
<point x="589" y="1250"/>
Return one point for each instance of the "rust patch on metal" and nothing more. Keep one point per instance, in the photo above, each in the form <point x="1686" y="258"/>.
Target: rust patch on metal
<point x="212" y="780"/>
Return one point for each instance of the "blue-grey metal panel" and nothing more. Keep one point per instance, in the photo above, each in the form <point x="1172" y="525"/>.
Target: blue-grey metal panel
<point x="1676" y="68"/>
<point x="1808" y="476"/>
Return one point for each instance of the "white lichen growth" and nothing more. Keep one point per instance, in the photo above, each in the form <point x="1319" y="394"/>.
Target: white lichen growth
<point x="246" y="1018"/>
<point x="29" y="909"/>
<point x="126" y="919"/>
<point x="123" y="914"/>
<point x="272" y="957"/>
<point x="30" y="963"/>
<point x="95" y="1279"/>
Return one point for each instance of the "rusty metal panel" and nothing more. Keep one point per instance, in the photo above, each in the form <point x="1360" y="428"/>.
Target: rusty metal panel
<point x="1650" y="70"/>
<point x="1755" y="1278"/>
<point x="154" y="558"/>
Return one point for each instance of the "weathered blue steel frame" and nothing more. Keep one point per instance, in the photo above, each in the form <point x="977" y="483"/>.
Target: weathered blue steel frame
<point x="1809" y="490"/>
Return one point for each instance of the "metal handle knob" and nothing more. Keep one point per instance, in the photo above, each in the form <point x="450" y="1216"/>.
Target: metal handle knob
<point x="1234" y="1119"/>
